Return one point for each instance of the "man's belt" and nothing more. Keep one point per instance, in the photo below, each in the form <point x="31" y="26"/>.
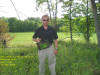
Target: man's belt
<point x="43" y="45"/>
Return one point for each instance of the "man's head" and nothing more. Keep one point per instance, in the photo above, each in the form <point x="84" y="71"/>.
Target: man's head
<point x="45" y="20"/>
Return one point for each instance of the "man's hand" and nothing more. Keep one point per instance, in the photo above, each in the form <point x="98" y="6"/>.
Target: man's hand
<point x="37" y="40"/>
<point x="55" y="52"/>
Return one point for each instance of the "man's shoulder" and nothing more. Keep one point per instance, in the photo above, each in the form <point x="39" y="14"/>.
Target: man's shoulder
<point x="41" y="27"/>
<point x="50" y="27"/>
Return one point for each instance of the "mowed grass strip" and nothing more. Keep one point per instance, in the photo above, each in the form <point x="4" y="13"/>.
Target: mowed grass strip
<point x="25" y="38"/>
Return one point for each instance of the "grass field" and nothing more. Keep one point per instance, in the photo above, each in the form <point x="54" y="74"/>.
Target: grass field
<point x="76" y="58"/>
<point x="25" y="38"/>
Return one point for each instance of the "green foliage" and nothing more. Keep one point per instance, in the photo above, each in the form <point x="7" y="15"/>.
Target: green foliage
<point x="75" y="58"/>
<point x="26" y="64"/>
<point x="3" y="26"/>
<point x="3" y="32"/>
<point x="98" y="4"/>
<point x="77" y="9"/>
<point x="28" y="25"/>
<point x="81" y="26"/>
<point x="63" y="29"/>
<point x="39" y="2"/>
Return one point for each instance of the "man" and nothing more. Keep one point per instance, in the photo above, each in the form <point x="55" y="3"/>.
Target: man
<point x="46" y="33"/>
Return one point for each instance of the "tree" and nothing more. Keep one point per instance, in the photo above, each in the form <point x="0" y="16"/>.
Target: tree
<point x="28" y="25"/>
<point x="4" y="36"/>
<point x="68" y="4"/>
<point x="12" y="24"/>
<point x="52" y="7"/>
<point x="77" y="11"/>
<point x="80" y="26"/>
<point x="96" y="20"/>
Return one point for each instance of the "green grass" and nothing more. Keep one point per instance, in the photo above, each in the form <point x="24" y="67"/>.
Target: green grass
<point x="25" y="38"/>
<point x="73" y="58"/>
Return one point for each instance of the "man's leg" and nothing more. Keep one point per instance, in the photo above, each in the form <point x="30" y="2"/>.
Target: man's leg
<point x="52" y="60"/>
<point x="42" y="57"/>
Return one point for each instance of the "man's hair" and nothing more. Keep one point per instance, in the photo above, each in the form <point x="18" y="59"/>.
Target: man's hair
<point x="45" y="16"/>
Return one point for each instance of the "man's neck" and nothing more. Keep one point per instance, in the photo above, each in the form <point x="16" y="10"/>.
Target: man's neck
<point x="45" y="27"/>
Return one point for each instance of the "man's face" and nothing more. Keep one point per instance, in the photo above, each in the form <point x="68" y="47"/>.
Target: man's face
<point x="45" y="20"/>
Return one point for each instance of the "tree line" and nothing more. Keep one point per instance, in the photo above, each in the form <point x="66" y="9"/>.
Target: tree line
<point x="28" y="25"/>
<point x="31" y="24"/>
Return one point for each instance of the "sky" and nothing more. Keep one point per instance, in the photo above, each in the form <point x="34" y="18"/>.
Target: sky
<point x="25" y="9"/>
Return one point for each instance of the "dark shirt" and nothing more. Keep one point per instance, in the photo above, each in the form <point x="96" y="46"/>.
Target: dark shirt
<point x="48" y="35"/>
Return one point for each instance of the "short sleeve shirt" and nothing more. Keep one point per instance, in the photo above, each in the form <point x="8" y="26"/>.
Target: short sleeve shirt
<point x="49" y="34"/>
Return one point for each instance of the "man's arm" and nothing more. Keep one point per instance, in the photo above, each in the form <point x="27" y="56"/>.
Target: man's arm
<point x="56" y="44"/>
<point x="36" y="35"/>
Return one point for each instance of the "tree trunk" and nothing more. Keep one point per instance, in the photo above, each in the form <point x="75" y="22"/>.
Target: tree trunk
<point x="70" y="22"/>
<point x="49" y="11"/>
<point x="96" y="20"/>
<point x="99" y="8"/>
<point x="87" y="20"/>
<point x="56" y="16"/>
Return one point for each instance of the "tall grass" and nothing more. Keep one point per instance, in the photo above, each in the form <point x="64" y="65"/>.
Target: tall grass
<point x="73" y="58"/>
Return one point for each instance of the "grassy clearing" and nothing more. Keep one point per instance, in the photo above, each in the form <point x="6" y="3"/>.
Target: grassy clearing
<point x="76" y="58"/>
<point x="25" y="38"/>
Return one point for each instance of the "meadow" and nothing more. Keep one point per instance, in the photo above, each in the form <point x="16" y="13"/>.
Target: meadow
<point x="74" y="58"/>
<point x="25" y="38"/>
